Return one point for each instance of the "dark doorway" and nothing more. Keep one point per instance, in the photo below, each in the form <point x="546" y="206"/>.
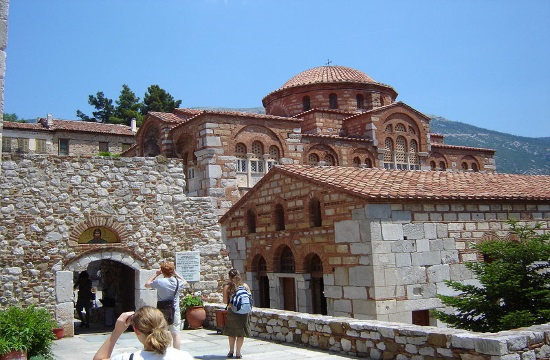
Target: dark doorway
<point x="421" y="317"/>
<point x="289" y="293"/>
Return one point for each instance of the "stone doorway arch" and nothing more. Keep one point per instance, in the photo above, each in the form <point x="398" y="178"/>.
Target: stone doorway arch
<point x="130" y="274"/>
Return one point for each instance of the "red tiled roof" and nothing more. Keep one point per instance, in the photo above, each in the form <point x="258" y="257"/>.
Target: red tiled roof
<point x="168" y="117"/>
<point x="328" y="74"/>
<point x="458" y="147"/>
<point x="71" y="125"/>
<point x="430" y="185"/>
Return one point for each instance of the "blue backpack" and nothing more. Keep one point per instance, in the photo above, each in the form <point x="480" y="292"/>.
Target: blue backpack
<point x="241" y="301"/>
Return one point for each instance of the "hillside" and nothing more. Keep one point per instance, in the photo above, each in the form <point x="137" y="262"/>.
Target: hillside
<point x="514" y="154"/>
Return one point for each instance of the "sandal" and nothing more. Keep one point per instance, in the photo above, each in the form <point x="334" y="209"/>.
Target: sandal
<point x="229" y="354"/>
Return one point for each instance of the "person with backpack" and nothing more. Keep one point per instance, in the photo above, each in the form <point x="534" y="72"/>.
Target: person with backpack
<point x="236" y="294"/>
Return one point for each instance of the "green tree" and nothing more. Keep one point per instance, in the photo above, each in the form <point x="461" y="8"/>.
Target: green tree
<point x="104" y="108"/>
<point x="515" y="285"/>
<point x="128" y="107"/>
<point x="157" y="99"/>
<point x="12" y="117"/>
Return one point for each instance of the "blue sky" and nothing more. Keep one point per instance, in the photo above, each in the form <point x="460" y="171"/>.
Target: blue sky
<point x="482" y="62"/>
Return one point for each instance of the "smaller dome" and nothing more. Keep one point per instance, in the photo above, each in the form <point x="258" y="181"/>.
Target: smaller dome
<point x="328" y="74"/>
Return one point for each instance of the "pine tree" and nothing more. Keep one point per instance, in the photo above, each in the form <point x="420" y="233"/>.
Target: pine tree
<point x="128" y="108"/>
<point x="515" y="285"/>
<point x="157" y="99"/>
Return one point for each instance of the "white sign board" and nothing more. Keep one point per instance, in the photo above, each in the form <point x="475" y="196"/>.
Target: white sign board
<point x="188" y="265"/>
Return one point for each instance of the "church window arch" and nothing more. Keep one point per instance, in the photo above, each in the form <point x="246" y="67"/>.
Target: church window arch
<point x="432" y="165"/>
<point x="287" y="263"/>
<point x="388" y="153"/>
<point x="360" y="101"/>
<point x="400" y="127"/>
<point x="400" y="153"/>
<point x="368" y="162"/>
<point x="313" y="159"/>
<point x="389" y="128"/>
<point x="442" y="166"/>
<point x="240" y="154"/>
<point x="329" y="160"/>
<point x="256" y="159"/>
<point x="273" y="157"/>
<point x="414" y="162"/>
<point x="315" y="218"/>
<point x="356" y="162"/>
<point x="464" y="166"/>
<point x="475" y="168"/>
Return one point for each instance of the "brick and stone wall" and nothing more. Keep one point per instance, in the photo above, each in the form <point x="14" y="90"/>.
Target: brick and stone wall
<point x="46" y="202"/>
<point x="4" y="4"/>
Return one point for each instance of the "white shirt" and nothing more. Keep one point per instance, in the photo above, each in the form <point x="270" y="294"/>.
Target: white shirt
<point x="170" y="354"/>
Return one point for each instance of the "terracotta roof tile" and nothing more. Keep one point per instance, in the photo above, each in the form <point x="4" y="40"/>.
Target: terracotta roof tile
<point x="328" y="74"/>
<point x="71" y="125"/>
<point x="395" y="184"/>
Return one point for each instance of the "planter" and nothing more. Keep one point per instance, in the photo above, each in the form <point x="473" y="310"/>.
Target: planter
<point x="195" y="316"/>
<point x="58" y="332"/>
<point x="14" y="355"/>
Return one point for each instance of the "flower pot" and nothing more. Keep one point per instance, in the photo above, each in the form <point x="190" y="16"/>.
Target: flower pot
<point x="195" y="316"/>
<point x="14" y="355"/>
<point x="58" y="332"/>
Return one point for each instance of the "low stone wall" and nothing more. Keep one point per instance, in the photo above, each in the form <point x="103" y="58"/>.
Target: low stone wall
<point x="386" y="340"/>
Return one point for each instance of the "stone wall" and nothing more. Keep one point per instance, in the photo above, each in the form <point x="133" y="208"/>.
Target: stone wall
<point x="46" y="202"/>
<point x="386" y="340"/>
<point x="4" y="4"/>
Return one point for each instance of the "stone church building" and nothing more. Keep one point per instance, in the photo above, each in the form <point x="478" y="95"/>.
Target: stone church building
<point x="368" y="243"/>
<point x="328" y="115"/>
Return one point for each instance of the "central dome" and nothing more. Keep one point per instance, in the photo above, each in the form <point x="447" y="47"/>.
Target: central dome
<point x="328" y="74"/>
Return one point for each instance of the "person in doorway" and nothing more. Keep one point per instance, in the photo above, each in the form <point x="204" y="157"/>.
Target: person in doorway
<point x="97" y="238"/>
<point x="237" y="326"/>
<point x="84" y="300"/>
<point x="169" y="286"/>
<point x="151" y="330"/>
<point x="109" y="298"/>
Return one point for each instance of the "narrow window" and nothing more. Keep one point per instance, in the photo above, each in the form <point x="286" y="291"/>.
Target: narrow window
<point x="442" y="166"/>
<point x="315" y="219"/>
<point x="360" y="101"/>
<point x="63" y="147"/>
<point x="388" y="154"/>
<point x="432" y="165"/>
<point x="273" y="158"/>
<point x="279" y="217"/>
<point x="464" y="166"/>
<point x="306" y="103"/>
<point x="368" y="163"/>
<point x="287" y="261"/>
<point x="240" y="154"/>
<point x="333" y="101"/>
<point x="400" y="153"/>
<point x="257" y="162"/>
<point x="356" y="162"/>
<point x="474" y="167"/>
<point x="251" y="221"/>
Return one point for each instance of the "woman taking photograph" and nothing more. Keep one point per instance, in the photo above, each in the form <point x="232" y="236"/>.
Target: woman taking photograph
<point x="151" y="330"/>
<point x="236" y="325"/>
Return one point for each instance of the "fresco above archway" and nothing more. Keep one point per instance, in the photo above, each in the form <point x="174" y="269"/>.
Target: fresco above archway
<point x="98" y="235"/>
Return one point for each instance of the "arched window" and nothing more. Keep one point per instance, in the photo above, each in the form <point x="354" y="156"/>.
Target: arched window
<point x="329" y="160"/>
<point x="333" y="101"/>
<point x="475" y="167"/>
<point x="240" y="154"/>
<point x="273" y="158"/>
<point x="368" y="163"/>
<point x="400" y="153"/>
<point x="315" y="219"/>
<point x="356" y="162"/>
<point x="360" y="101"/>
<point x="306" y="103"/>
<point x="432" y="165"/>
<point x="389" y="129"/>
<point x="257" y="161"/>
<point x="442" y="166"/>
<point x="279" y="217"/>
<point x="464" y="166"/>
<point x="313" y="159"/>
<point x="400" y="127"/>
<point x="287" y="261"/>
<point x="388" y="153"/>
<point x="251" y="221"/>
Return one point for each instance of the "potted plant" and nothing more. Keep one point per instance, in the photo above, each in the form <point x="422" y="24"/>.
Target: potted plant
<point x="58" y="331"/>
<point x="192" y="309"/>
<point x="26" y="330"/>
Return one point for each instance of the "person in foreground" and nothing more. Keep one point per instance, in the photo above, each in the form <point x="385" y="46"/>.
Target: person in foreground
<point x="237" y="326"/>
<point x="151" y="330"/>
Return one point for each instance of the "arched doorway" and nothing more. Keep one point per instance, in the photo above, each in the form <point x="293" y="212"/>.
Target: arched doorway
<point x="314" y="266"/>
<point x="122" y="268"/>
<point x="288" y="284"/>
<point x="263" y="283"/>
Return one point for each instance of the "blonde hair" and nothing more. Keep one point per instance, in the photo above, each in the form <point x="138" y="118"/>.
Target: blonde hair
<point x="168" y="268"/>
<point x="150" y="321"/>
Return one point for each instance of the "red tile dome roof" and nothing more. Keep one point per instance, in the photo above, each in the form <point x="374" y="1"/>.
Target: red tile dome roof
<point x="328" y="74"/>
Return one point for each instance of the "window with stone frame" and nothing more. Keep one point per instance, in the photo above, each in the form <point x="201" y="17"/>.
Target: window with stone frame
<point x="306" y="103"/>
<point x="63" y="148"/>
<point x="6" y="144"/>
<point x="279" y="217"/>
<point x="40" y="146"/>
<point x="333" y="101"/>
<point x="103" y="146"/>
<point x="22" y="145"/>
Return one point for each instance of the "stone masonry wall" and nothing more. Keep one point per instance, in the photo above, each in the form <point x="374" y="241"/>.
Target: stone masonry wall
<point x="46" y="202"/>
<point x="387" y="340"/>
<point x="4" y="5"/>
